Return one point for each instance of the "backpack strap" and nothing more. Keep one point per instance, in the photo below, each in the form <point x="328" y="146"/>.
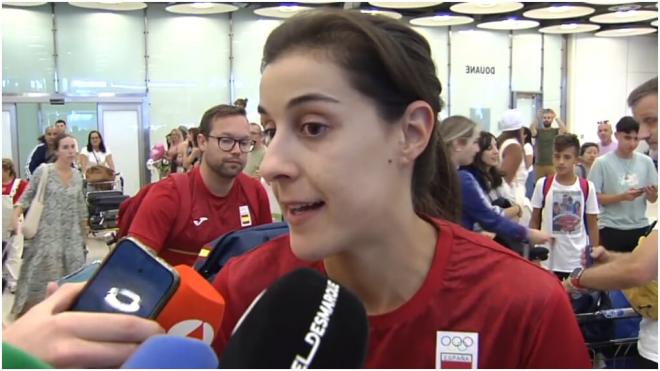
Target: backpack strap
<point x="547" y="184"/>
<point x="182" y="187"/>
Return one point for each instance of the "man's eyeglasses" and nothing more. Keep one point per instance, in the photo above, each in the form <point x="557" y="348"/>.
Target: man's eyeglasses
<point x="227" y="144"/>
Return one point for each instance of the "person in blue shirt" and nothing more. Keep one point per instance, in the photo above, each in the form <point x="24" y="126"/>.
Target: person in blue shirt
<point x="460" y="135"/>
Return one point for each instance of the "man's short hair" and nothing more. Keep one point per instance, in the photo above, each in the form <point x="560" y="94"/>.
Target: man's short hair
<point x="60" y="120"/>
<point x="566" y="141"/>
<point x="586" y="146"/>
<point x="647" y="88"/>
<point x="221" y="110"/>
<point x="549" y="111"/>
<point x="627" y="125"/>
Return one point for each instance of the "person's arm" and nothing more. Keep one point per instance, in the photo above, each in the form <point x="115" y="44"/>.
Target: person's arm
<point x="67" y="339"/>
<point x="512" y="212"/>
<point x="592" y="226"/>
<point x="535" y="122"/>
<point x="476" y="205"/>
<point x="629" y="195"/>
<point x="562" y="126"/>
<point x="109" y="162"/>
<point x="84" y="162"/>
<point x="26" y="199"/>
<point x="511" y="159"/>
<point x="189" y="160"/>
<point x="625" y="270"/>
<point x="535" y="220"/>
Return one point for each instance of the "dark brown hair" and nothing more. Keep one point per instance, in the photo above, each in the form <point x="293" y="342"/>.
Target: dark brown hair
<point x="492" y="176"/>
<point x="221" y="110"/>
<point x="565" y="141"/>
<point x="391" y="64"/>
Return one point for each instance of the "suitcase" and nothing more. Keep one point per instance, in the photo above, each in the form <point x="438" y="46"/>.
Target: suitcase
<point x="103" y="208"/>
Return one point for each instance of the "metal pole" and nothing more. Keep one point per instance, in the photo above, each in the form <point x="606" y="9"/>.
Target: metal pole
<point x="232" y="81"/>
<point x="56" y="74"/>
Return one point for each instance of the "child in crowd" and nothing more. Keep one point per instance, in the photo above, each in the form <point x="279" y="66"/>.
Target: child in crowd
<point x="559" y="203"/>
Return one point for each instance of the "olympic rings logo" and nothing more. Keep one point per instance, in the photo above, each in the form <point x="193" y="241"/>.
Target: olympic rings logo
<point x="459" y="343"/>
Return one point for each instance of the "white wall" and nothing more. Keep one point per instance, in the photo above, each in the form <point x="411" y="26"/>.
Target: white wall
<point x="602" y="72"/>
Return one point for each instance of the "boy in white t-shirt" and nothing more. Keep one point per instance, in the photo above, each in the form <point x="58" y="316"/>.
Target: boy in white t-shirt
<point x="559" y="208"/>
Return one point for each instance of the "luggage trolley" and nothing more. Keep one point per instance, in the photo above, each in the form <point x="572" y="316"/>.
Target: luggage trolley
<point x="103" y="199"/>
<point x="613" y="353"/>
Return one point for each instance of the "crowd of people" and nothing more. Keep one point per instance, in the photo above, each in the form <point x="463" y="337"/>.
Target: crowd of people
<point x="426" y="221"/>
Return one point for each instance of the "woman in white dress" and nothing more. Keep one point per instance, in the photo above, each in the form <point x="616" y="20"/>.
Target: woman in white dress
<point x="95" y="153"/>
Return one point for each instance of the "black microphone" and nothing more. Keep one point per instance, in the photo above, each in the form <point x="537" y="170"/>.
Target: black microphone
<point x="304" y="320"/>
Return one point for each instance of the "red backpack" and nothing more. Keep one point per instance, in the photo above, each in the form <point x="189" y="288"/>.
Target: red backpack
<point x="129" y="207"/>
<point x="584" y="186"/>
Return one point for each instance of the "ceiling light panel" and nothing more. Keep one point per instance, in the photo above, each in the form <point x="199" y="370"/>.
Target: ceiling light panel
<point x="570" y="28"/>
<point x="283" y="11"/>
<point x="24" y="3"/>
<point x="441" y="20"/>
<point x="559" y="12"/>
<point x="486" y="7"/>
<point x="404" y="4"/>
<point x="114" y="6"/>
<point x="201" y="8"/>
<point x="386" y="13"/>
<point x="625" y="17"/>
<point x="509" y="24"/>
<point x="625" y="32"/>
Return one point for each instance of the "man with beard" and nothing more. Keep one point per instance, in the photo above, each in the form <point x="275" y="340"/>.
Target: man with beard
<point x="545" y="137"/>
<point x="222" y="199"/>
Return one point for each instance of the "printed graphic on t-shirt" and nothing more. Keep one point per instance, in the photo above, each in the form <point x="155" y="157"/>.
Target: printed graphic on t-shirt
<point x="457" y="350"/>
<point x="566" y="211"/>
<point x="629" y="180"/>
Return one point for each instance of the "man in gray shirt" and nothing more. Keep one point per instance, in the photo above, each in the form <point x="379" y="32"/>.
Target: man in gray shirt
<point x="625" y="180"/>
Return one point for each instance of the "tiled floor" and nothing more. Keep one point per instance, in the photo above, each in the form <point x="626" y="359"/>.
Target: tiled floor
<point x="98" y="249"/>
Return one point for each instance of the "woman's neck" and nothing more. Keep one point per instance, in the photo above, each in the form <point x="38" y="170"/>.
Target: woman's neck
<point x="61" y="165"/>
<point x="387" y="271"/>
<point x="7" y="179"/>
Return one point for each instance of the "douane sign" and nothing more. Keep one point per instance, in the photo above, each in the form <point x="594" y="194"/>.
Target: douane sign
<point x="480" y="70"/>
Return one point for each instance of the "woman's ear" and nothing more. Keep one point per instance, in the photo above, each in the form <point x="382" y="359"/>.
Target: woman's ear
<point x="417" y="125"/>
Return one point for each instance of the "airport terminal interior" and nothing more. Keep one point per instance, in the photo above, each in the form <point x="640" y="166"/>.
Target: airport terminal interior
<point x="139" y="76"/>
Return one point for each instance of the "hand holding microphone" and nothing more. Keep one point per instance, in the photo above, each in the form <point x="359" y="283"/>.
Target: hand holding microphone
<point x="195" y="310"/>
<point x="304" y="320"/>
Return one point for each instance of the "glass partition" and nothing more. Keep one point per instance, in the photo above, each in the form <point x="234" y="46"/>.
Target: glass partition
<point x="27" y="50"/>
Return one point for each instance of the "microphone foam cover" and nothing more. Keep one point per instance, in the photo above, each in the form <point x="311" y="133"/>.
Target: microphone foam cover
<point x="170" y="352"/>
<point x="304" y="320"/>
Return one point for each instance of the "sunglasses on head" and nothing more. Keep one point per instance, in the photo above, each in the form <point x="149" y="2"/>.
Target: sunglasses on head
<point x="604" y="122"/>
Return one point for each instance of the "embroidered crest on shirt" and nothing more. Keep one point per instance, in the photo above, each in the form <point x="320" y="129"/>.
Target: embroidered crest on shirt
<point x="456" y="350"/>
<point x="244" y="212"/>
